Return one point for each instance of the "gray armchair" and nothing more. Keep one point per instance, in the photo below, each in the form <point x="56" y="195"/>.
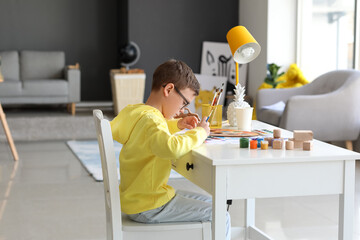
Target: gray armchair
<point x="329" y="106"/>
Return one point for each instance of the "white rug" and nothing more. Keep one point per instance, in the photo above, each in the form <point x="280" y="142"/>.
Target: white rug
<point x="88" y="154"/>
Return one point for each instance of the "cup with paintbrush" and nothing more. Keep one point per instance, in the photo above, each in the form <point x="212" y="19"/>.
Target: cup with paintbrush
<point x="213" y="111"/>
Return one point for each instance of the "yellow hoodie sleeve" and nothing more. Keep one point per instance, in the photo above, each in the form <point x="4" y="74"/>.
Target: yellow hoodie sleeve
<point x="172" y="125"/>
<point x="168" y="146"/>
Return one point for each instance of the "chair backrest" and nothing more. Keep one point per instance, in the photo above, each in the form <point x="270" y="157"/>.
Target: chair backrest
<point x="331" y="81"/>
<point x="110" y="176"/>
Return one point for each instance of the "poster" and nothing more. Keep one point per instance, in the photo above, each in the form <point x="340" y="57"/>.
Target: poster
<point x="216" y="60"/>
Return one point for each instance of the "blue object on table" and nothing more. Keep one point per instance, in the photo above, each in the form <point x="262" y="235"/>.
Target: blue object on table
<point x="259" y="141"/>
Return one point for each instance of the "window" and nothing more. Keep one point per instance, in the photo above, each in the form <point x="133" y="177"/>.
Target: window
<point x="325" y="36"/>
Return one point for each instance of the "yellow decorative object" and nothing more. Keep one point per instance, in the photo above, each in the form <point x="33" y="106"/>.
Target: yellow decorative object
<point x="204" y="97"/>
<point x="265" y="85"/>
<point x="292" y="78"/>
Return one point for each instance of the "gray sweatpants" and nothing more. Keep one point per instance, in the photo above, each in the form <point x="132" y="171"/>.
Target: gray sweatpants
<point x="184" y="207"/>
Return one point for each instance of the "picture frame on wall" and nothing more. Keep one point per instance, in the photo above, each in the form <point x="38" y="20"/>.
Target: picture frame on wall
<point x="217" y="60"/>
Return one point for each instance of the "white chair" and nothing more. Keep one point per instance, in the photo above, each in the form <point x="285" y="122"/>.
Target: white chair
<point x="119" y="227"/>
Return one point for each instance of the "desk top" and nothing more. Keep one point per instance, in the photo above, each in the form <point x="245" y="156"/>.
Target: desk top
<point x="232" y="154"/>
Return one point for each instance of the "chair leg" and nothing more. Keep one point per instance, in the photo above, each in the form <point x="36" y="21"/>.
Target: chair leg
<point x="349" y="145"/>
<point x="8" y="134"/>
<point x="71" y="108"/>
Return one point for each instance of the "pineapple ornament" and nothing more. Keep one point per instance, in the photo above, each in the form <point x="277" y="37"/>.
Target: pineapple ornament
<point x="238" y="102"/>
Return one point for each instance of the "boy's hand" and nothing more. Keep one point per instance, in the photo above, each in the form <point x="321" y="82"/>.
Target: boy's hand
<point x="182" y="114"/>
<point x="205" y="125"/>
<point x="188" y="122"/>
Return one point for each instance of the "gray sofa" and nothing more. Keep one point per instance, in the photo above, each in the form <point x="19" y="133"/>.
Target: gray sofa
<point x="38" y="77"/>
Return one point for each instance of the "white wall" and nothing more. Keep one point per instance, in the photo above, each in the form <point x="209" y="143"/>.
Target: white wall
<point x="273" y="25"/>
<point x="253" y="15"/>
<point x="282" y="32"/>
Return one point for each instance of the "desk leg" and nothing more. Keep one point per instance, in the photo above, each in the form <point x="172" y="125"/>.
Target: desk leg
<point x="346" y="202"/>
<point x="249" y="212"/>
<point x="8" y="134"/>
<point x="252" y="232"/>
<point x="219" y="204"/>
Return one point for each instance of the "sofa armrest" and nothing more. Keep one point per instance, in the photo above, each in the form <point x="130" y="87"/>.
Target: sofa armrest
<point x="73" y="76"/>
<point x="266" y="97"/>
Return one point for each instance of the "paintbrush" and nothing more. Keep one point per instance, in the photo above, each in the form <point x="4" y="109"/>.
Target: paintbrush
<point x="214" y="98"/>
<point x="216" y="102"/>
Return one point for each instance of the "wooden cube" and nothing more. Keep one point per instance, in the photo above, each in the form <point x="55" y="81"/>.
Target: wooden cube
<point x="277" y="133"/>
<point x="269" y="140"/>
<point x="277" y="144"/>
<point x="289" y="145"/>
<point x="298" y="144"/>
<point x="303" y="135"/>
<point x="307" y="146"/>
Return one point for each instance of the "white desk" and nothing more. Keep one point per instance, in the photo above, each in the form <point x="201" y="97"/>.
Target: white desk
<point x="229" y="172"/>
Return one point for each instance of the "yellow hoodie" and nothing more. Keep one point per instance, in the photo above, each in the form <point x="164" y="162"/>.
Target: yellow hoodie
<point x="145" y="159"/>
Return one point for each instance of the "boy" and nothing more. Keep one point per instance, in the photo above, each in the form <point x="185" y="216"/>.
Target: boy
<point x="146" y="132"/>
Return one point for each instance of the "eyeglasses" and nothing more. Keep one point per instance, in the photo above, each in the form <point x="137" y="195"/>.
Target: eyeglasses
<point x="182" y="96"/>
<point x="185" y="100"/>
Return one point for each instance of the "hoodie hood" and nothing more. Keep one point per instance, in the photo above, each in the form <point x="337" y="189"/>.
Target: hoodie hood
<point x="123" y="124"/>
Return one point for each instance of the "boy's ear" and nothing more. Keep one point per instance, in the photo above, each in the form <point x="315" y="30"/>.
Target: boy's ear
<point x="168" y="88"/>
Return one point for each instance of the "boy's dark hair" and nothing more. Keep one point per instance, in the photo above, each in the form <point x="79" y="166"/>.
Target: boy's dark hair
<point x="176" y="72"/>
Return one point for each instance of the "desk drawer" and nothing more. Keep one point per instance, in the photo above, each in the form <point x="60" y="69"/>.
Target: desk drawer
<point x="285" y="179"/>
<point x="195" y="170"/>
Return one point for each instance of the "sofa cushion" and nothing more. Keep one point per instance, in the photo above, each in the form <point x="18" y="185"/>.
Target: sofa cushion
<point x="10" y="65"/>
<point x="42" y="65"/>
<point x="10" y="89"/>
<point x="45" y="87"/>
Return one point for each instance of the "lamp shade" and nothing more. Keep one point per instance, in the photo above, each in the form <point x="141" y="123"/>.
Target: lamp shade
<point x="243" y="45"/>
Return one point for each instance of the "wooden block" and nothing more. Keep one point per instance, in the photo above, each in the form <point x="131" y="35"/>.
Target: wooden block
<point x="307" y="146"/>
<point x="298" y="144"/>
<point x="264" y="145"/>
<point x="277" y="133"/>
<point x="277" y="144"/>
<point x="289" y="145"/>
<point x="269" y="140"/>
<point x="253" y="144"/>
<point x="303" y="135"/>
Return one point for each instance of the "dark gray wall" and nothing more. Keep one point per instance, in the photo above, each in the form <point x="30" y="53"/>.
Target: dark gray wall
<point x="166" y="29"/>
<point x="87" y="30"/>
<point x="84" y="29"/>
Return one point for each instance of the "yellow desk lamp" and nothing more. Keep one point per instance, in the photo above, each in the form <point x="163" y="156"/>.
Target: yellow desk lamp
<point x="243" y="46"/>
